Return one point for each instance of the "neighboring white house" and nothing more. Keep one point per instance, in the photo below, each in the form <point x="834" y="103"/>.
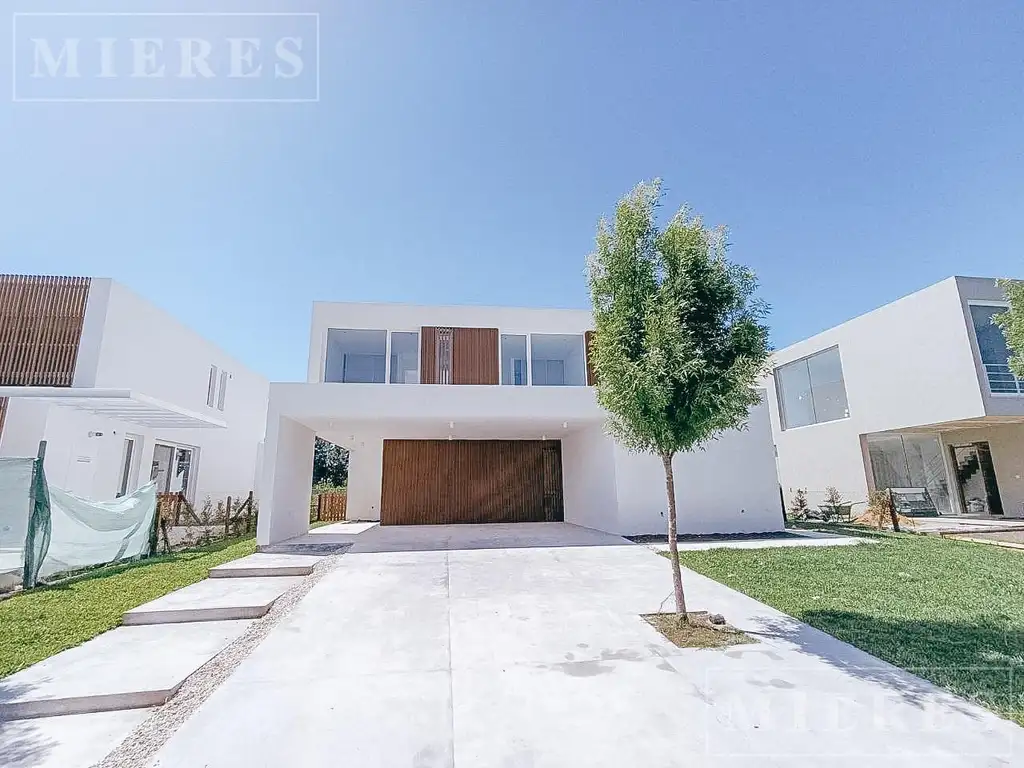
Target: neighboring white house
<point x="484" y="414"/>
<point x="914" y="395"/>
<point x="123" y="393"/>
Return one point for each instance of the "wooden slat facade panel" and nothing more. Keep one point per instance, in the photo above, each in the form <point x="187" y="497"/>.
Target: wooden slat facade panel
<point x="40" y="329"/>
<point x="588" y="338"/>
<point x="475" y="356"/>
<point x="438" y="482"/>
<point x="428" y="355"/>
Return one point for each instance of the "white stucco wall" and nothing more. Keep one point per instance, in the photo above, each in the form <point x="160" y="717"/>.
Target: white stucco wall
<point x="588" y="480"/>
<point x="286" y="482"/>
<point x="729" y="487"/>
<point x="907" y="364"/>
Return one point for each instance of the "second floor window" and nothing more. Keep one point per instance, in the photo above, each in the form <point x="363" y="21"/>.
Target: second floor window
<point x="995" y="354"/>
<point x="812" y="390"/>
<point x="355" y="356"/>
<point x="557" y="360"/>
<point x="513" y="359"/>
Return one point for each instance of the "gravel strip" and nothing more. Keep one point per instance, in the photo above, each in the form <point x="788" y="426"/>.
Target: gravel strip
<point x="142" y="744"/>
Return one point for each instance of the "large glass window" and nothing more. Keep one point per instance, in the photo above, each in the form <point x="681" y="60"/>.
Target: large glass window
<point x="513" y="359"/>
<point x="995" y="354"/>
<point x="812" y="390"/>
<point x="355" y="356"/>
<point x="405" y="357"/>
<point x="557" y="360"/>
<point x="910" y="462"/>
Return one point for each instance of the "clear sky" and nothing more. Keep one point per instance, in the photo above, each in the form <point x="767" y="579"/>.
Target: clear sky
<point x="463" y="150"/>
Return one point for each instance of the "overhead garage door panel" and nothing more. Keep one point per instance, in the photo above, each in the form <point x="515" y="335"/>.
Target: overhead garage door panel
<point x="430" y="482"/>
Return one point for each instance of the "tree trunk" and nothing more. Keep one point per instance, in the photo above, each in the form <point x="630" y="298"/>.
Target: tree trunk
<point x="894" y="514"/>
<point x="673" y="548"/>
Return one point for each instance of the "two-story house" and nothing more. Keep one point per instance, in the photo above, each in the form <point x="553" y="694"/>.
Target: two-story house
<point x="460" y="414"/>
<point x="122" y="393"/>
<point x="916" y="395"/>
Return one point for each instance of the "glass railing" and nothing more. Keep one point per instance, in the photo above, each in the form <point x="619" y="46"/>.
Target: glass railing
<point x="1001" y="380"/>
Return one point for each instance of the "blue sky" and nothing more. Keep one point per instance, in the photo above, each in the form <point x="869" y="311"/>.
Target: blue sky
<point x="463" y="150"/>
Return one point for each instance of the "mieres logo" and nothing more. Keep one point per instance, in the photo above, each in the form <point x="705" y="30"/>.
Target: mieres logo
<point x="164" y="57"/>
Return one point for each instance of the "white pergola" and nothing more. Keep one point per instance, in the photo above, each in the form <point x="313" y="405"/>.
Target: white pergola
<point x="120" y="404"/>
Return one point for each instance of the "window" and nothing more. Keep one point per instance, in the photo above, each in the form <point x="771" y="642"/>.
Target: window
<point x="995" y="354"/>
<point x="223" y="390"/>
<point x="513" y="360"/>
<point x="405" y="357"/>
<point x="211" y="387"/>
<point x="173" y="468"/>
<point x="910" y="461"/>
<point x="557" y="360"/>
<point x="128" y="466"/>
<point x="812" y="390"/>
<point x="355" y="356"/>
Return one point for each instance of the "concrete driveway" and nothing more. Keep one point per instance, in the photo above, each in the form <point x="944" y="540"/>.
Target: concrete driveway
<point x="521" y="646"/>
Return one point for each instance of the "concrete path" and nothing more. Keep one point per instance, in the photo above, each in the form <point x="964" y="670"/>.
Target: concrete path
<point x="522" y="646"/>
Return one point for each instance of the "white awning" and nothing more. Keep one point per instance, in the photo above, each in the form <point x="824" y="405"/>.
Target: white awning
<point x="119" y="404"/>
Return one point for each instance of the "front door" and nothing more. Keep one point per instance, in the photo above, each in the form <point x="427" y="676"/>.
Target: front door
<point x="976" y="479"/>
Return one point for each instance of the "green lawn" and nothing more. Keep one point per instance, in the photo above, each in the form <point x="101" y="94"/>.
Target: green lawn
<point x="45" y="621"/>
<point x="949" y="611"/>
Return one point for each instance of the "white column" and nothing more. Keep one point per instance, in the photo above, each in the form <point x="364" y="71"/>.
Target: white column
<point x="365" y="479"/>
<point x="286" y="482"/>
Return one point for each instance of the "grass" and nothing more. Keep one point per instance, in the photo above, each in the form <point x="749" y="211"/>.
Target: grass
<point x="950" y="611"/>
<point x="41" y="622"/>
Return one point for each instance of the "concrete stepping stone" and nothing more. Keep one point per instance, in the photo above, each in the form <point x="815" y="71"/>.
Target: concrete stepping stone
<point x="125" y="668"/>
<point x="265" y="565"/>
<point x="65" y="741"/>
<point x="213" y="600"/>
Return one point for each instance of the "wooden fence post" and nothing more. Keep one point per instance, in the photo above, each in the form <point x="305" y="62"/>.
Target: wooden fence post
<point x="227" y="518"/>
<point x="248" y="514"/>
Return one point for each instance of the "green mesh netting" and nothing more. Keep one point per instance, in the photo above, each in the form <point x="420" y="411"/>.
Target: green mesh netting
<point x="24" y="521"/>
<point x="46" y="531"/>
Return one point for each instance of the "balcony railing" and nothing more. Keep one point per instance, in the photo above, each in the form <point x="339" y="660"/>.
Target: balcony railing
<point x="1002" y="381"/>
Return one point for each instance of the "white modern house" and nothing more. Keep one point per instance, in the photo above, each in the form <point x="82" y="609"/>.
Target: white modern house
<point x="460" y="414"/>
<point x="915" y="396"/>
<point x="122" y="393"/>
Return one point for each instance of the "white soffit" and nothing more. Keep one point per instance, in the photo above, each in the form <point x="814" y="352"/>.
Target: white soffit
<point x="119" y="404"/>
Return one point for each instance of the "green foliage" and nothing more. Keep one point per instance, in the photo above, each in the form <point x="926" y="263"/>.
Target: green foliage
<point x="679" y="340"/>
<point x="835" y="506"/>
<point x="798" y="507"/>
<point x="1012" y="323"/>
<point x="330" y="465"/>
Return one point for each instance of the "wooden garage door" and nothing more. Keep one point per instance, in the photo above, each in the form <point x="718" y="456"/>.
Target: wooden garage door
<point x="434" y="482"/>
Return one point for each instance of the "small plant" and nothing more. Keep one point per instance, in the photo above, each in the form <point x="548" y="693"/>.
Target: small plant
<point x="835" y="506"/>
<point x="882" y="513"/>
<point x="798" y="507"/>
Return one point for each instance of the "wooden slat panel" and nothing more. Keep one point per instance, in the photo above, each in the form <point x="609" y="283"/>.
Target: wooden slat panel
<point x="475" y="356"/>
<point x="436" y="482"/>
<point x="332" y="505"/>
<point x="41" y="321"/>
<point x="588" y="338"/>
<point x="428" y="355"/>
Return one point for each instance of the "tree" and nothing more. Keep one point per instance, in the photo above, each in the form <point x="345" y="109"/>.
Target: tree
<point x="1012" y="323"/>
<point x="679" y="341"/>
<point x="799" y="508"/>
<point x="330" y="464"/>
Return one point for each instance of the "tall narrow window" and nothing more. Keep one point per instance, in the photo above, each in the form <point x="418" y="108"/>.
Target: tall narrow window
<point x="211" y="387"/>
<point x="995" y="354"/>
<point x="222" y="392"/>
<point x="405" y="357"/>
<point x="513" y="360"/>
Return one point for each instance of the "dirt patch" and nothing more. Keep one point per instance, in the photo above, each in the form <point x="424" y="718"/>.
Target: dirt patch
<point x="698" y="633"/>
